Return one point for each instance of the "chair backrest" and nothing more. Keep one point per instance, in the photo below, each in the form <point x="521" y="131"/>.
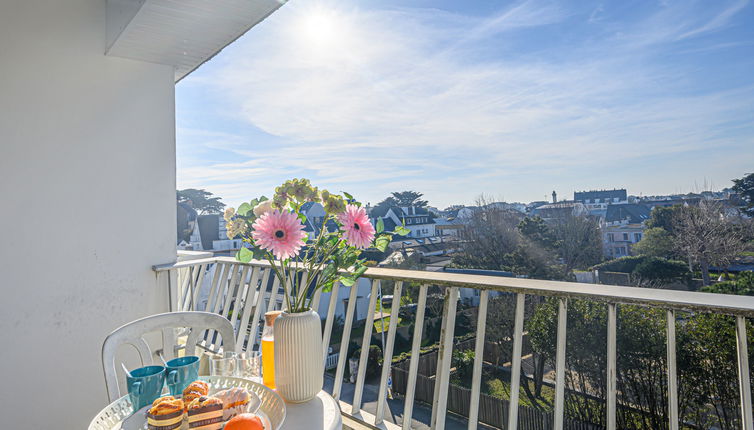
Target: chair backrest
<point x="195" y="323"/>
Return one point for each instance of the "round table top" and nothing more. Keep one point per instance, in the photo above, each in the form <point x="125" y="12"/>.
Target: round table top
<point x="322" y="412"/>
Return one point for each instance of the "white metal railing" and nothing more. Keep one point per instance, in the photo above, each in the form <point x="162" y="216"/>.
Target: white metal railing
<point x="244" y="291"/>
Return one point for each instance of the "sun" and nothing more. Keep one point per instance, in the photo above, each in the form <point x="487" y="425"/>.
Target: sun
<point x="319" y="26"/>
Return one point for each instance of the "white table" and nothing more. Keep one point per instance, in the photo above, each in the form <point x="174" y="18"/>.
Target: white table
<point x="322" y="412"/>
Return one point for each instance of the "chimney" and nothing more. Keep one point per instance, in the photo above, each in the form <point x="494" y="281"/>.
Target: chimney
<point x="554" y="197"/>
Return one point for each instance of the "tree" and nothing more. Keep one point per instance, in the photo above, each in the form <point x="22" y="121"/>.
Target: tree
<point x="743" y="285"/>
<point x="641" y="377"/>
<point x="580" y="242"/>
<point x="489" y="239"/>
<point x="409" y="198"/>
<point x="708" y="236"/>
<point x="655" y="242"/>
<point x="201" y="200"/>
<point x="381" y="208"/>
<point x="538" y="232"/>
<point x="664" y="218"/>
<point x="655" y="272"/>
<point x="745" y="187"/>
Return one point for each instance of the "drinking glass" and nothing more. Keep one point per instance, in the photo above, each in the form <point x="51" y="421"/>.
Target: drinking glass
<point x="249" y="366"/>
<point x="223" y="366"/>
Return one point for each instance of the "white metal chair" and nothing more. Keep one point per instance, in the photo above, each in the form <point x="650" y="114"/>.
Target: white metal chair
<point x="195" y="323"/>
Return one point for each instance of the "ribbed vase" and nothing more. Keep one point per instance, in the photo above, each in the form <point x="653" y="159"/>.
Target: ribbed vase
<point x="299" y="365"/>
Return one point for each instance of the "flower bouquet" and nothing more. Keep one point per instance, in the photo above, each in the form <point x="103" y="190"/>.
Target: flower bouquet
<point x="303" y="263"/>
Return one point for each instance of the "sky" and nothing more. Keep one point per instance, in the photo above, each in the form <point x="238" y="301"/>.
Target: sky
<point x="457" y="99"/>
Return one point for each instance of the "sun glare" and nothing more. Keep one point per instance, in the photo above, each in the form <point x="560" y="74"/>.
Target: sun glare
<point x="319" y="26"/>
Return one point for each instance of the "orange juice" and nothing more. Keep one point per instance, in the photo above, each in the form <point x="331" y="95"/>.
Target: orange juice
<point x="268" y="362"/>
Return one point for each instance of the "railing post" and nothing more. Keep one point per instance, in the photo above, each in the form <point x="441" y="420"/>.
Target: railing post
<point x="387" y="360"/>
<point x="612" y="329"/>
<point x="476" y="378"/>
<point x="744" y="386"/>
<point x="343" y="358"/>
<point x="672" y="373"/>
<point x="518" y="338"/>
<point x="413" y="368"/>
<point x="365" y="345"/>
<point x="446" y="350"/>
<point x="329" y="320"/>
<point x="560" y="363"/>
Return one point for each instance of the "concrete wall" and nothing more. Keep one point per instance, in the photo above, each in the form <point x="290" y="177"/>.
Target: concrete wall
<point x="87" y="169"/>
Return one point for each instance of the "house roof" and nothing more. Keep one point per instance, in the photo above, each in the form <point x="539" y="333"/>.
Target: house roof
<point x="581" y="196"/>
<point x="635" y="214"/>
<point x="183" y="34"/>
<point x="209" y="229"/>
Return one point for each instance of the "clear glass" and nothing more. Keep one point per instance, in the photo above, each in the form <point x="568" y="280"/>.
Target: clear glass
<point x="249" y="366"/>
<point x="223" y="366"/>
<point x="268" y="352"/>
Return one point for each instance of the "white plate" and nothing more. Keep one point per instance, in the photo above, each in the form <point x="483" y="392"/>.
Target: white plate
<point x="271" y="407"/>
<point x="138" y="421"/>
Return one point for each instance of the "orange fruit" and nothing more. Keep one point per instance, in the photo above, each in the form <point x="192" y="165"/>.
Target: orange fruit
<point x="245" y="422"/>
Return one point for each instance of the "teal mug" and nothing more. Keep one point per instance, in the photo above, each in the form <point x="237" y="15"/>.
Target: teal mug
<point x="181" y="372"/>
<point x="145" y="385"/>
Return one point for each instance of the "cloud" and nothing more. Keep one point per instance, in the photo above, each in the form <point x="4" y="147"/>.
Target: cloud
<point x="378" y="100"/>
<point x="718" y="22"/>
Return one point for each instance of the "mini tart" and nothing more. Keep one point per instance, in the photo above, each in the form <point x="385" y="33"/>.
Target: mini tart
<point x="166" y="413"/>
<point x="235" y="400"/>
<point x="205" y="413"/>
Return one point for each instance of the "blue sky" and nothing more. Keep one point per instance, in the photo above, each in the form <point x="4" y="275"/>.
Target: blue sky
<point x="460" y="98"/>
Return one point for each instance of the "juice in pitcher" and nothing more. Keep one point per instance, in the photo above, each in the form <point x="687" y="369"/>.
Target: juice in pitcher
<point x="268" y="349"/>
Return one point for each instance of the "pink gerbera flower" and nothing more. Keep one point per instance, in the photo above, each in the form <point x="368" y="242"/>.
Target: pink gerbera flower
<point x="357" y="229"/>
<point x="280" y="233"/>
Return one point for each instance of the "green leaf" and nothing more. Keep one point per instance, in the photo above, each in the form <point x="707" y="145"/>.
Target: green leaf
<point x="347" y="281"/>
<point x="359" y="271"/>
<point x="263" y="199"/>
<point x="244" y="255"/>
<point x="244" y="209"/>
<point x="348" y="196"/>
<point x="326" y="288"/>
<point x="380" y="225"/>
<point x="382" y="242"/>
<point x="401" y="231"/>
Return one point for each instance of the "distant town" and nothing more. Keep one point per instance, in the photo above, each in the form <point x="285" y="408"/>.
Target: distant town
<point x="435" y="233"/>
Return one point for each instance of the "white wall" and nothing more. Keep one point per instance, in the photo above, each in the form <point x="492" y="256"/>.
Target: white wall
<point x="87" y="169"/>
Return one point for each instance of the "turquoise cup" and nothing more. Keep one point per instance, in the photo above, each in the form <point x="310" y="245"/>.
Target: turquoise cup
<point x="145" y="385"/>
<point x="181" y="372"/>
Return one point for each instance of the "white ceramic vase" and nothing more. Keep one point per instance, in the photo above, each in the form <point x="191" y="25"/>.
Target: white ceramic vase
<point x="299" y="365"/>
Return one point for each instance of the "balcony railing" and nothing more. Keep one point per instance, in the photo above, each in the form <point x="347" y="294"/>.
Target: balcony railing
<point x="240" y="292"/>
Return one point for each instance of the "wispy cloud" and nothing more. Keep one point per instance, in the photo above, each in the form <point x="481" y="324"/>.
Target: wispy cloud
<point x="719" y="21"/>
<point x="377" y="100"/>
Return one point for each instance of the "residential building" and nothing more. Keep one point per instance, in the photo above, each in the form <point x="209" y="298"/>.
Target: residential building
<point x="597" y="201"/>
<point x="419" y="220"/>
<point x="558" y="211"/>
<point x="88" y="128"/>
<point x="623" y="226"/>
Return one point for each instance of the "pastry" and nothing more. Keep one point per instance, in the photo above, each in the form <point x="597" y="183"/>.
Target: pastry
<point x="195" y="390"/>
<point x="245" y="422"/>
<point x="166" y="413"/>
<point x="205" y="413"/>
<point x="235" y="401"/>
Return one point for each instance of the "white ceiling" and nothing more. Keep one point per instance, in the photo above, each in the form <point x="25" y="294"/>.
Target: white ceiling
<point x="180" y="33"/>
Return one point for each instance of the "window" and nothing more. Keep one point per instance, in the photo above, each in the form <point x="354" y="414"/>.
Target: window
<point x="610" y="237"/>
<point x="625" y="236"/>
<point x="637" y="237"/>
